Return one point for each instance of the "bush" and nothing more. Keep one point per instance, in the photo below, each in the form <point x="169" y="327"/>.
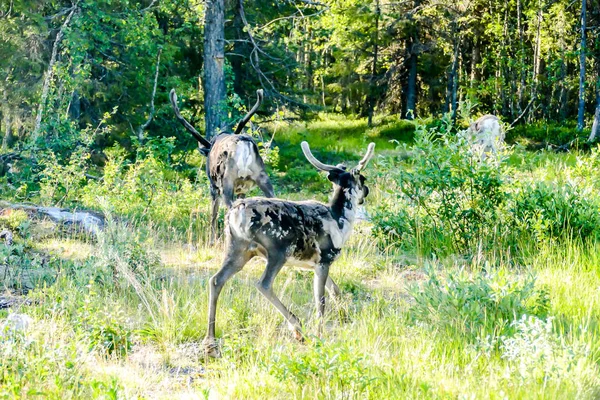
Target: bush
<point x="452" y="196"/>
<point x="338" y="369"/>
<point x="555" y="211"/>
<point x="478" y="306"/>
<point x="535" y="353"/>
<point x="105" y="328"/>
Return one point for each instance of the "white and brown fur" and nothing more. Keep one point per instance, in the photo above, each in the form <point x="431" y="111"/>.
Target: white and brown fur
<point x="485" y="135"/>
<point x="307" y="234"/>
<point x="233" y="163"/>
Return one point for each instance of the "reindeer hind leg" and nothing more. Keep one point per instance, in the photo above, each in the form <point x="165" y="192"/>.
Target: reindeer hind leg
<point x="265" y="287"/>
<point x="237" y="256"/>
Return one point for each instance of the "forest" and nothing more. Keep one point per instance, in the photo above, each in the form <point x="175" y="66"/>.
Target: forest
<point x="471" y="270"/>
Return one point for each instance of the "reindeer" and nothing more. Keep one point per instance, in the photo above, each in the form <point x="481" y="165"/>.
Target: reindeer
<point x="307" y="234"/>
<point x="485" y="135"/>
<point x="233" y="163"/>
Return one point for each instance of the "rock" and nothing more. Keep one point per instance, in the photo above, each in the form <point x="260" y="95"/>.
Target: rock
<point x="15" y="323"/>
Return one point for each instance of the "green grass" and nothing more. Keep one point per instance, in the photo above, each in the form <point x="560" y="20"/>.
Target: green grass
<point x="123" y="316"/>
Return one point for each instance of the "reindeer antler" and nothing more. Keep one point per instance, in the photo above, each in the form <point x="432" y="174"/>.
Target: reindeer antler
<point x="316" y="163"/>
<point x="370" y="152"/>
<point x="244" y="121"/>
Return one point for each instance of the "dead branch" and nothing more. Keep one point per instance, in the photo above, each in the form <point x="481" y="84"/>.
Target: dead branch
<point x="140" y="132"/>
<point x="149" y="7"/>
<point x="50" y="71"/>
<point x="255" y="62"/>
<point x="523" y="113"/>
<point x="8" y="12"/>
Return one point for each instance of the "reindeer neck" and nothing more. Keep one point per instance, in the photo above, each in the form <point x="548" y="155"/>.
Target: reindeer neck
<point x="343" y="205"/>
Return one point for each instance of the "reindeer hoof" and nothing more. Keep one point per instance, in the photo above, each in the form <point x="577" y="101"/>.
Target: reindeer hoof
<point x="211" y="348"/>
<point x="297" y="332"/>
<point x="298" y="336"/>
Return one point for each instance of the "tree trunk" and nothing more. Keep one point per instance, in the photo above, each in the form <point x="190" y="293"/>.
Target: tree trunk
<point x="536" y="59"/>
<point x="451" y="88"/>
<point x="323" y="92"/>
<point x="215" y="92"/>
<point x="240" y="50"/>
<point x="411" y="85"/>
<point x="145" y="125"/>
<point x="373" y="83"/>
<point x="563" y="96"/>
<point x="475" y="55"/>
<point x="582" y="50"/>
<point x="455" y="79"/>
<point x="596" y="125"/>
<point x="7" y="120"/>
<point x="521" y="88"/>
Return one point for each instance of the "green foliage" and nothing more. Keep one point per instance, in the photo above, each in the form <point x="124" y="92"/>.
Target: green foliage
<point x="54" y="369"/>
<point x="336" y="369"/>
<point x="104" y="327"/>
<point x="546" y="133"/>
<point x="556" y="211"/>
<point x="537" y="354"/>
<point x="15" y="220"/>
<point x="398" y="130"/>
<point x="447" y="191"/>
<point x="478" y="306"/>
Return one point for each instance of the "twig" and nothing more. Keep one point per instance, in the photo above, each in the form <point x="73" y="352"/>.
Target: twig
<point x="149" y="7"/>
<point x="255" y="62"/>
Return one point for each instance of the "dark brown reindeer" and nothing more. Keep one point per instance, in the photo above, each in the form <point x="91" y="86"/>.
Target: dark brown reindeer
<point x="233" y="163"/>
<point x="307" y="234"/>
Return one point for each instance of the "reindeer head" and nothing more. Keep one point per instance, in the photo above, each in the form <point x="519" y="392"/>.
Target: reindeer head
<point x="351" y="181"/>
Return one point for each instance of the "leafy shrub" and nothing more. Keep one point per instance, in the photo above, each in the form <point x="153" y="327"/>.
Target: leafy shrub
<point x="22" y="268"/>
<point x="537" y="354"/>
<point x="555" y="211"/>
<point x="48" y="362"/>
<point x="449" y="193"/>
<point x="337" y="369"/>
<point x="106" y="329"/>
<point x="148" y="188"/>
<point x="393" y="228"/>
<point x="125" y="252"/>
<point x="485" y="304"/>
<point x="14" y="220"/>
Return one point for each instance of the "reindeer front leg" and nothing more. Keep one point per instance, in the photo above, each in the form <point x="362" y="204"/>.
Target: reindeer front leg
<point x="213" y="218"/>
<point x="321" y="275"/>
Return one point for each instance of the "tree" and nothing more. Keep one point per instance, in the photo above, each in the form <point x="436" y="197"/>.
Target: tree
<point x="582" y="50"/>
<point x="215" y="91"/>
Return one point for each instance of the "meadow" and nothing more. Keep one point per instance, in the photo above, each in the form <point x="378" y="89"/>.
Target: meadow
<point x="466" y="279"/>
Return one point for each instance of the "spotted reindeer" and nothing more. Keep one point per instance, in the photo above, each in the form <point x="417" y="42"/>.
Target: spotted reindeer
<point x="233" y="163"/>
<point x="307" y="234"/>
